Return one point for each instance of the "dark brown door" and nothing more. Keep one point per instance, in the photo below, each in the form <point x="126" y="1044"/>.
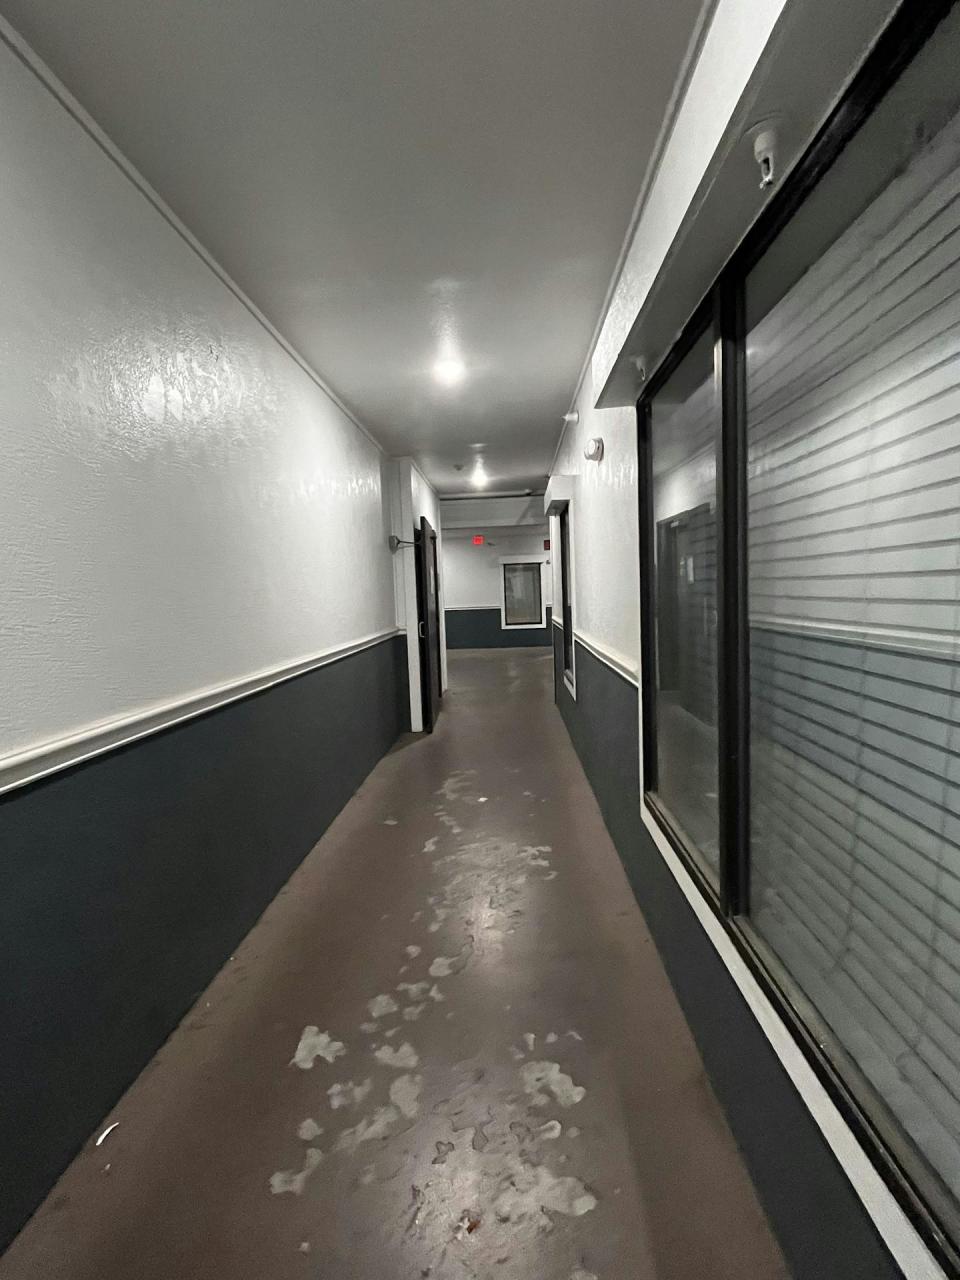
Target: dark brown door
<point x="428" y="620"/>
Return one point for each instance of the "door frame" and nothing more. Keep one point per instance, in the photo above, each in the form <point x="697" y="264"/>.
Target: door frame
<point x="430" y="697"/>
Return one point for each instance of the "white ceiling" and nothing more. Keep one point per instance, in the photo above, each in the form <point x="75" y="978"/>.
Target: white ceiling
<point x="384" y="176"/>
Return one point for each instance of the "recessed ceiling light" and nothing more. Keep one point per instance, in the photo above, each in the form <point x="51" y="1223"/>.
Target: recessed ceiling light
<point x="449" y="371"/>
<point x="478" y="477"/>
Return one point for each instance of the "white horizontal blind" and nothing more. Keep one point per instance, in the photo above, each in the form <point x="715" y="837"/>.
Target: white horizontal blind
<point x="854" y="506"/>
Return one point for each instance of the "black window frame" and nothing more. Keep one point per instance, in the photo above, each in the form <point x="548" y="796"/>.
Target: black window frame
<point x="566" y="596"/>
<point x="723" y="309"/>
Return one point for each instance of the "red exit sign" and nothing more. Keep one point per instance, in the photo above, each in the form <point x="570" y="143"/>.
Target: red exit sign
<point x="478" y="539"/>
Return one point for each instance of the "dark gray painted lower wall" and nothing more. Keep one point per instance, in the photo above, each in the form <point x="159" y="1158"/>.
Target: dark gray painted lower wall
<point x="480" y="629"/>
<point x="129" y="880"/>
<point x="818" y="1219"/>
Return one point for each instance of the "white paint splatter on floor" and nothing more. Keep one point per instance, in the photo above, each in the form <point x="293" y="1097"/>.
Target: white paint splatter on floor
<point x="316" y="1044"/>
<point x="538" y="1076"/>
<point x="413" y="1012"/>
<point x="404" y="1059"/>
<point x="529" y="1191"/>
<point x="444" y="966"/>
<point x="308" y="1130"/>
<point x="414" y="990"/>
<point x="370" y="1128"/>
<point x="381" y="1005"/>
<point x="389" y="822"/>
<point x="348" y="1094"/>
<point x="413" y="951"/>
<point x="287" y="1181"/>
<point x="456" y="784"/>
<point x="405" y="1094"/>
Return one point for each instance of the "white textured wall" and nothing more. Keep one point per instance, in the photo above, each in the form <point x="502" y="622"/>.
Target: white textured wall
<point x="603" y="523"/>
<point x="181" y="505"/>
<point x="472" y="574"/>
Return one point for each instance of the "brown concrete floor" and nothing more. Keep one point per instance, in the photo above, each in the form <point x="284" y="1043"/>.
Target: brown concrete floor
<point x="474" y="862"/>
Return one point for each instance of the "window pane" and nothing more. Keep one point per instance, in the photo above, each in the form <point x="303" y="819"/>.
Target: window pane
<point x="566" y="615"/>
<point x="853" y="383"/>
<point x="521" y="594"/>
<point x="683" y="444"/>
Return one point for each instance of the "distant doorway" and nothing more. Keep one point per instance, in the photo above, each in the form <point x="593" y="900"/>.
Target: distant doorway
<point x="428" y="622"/>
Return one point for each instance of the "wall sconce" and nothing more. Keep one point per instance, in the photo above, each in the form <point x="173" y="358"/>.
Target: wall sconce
<point x="593" y="449"/>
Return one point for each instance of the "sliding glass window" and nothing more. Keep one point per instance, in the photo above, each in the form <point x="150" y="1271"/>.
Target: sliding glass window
<point x="682" y="451"/>
<point x="853" y="492"/>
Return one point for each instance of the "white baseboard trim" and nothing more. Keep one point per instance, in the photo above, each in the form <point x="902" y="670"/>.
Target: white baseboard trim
<point x="24" y="767"/>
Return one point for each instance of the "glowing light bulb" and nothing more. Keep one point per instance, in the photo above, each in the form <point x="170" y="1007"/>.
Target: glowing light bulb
<point x="449" y="371"/>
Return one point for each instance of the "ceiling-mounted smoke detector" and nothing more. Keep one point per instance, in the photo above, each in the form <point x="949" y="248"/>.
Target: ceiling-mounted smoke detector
<point x="765" y="138"/>
<point x="593" y="449"/>
<point x="572" y="419"/>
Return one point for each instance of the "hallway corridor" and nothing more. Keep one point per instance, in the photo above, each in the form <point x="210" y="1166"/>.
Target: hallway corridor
<point x="447" y="1049"/>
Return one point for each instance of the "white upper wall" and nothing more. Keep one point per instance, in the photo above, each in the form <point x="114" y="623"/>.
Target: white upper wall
<point x="181" y="506"/>
<point x="603" y="529"/>
<point x="472" y="575"/>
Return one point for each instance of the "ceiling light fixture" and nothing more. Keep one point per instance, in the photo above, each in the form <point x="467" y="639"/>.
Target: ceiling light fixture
<point x="479" y="479"/>
<point x="449" y="370"/>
